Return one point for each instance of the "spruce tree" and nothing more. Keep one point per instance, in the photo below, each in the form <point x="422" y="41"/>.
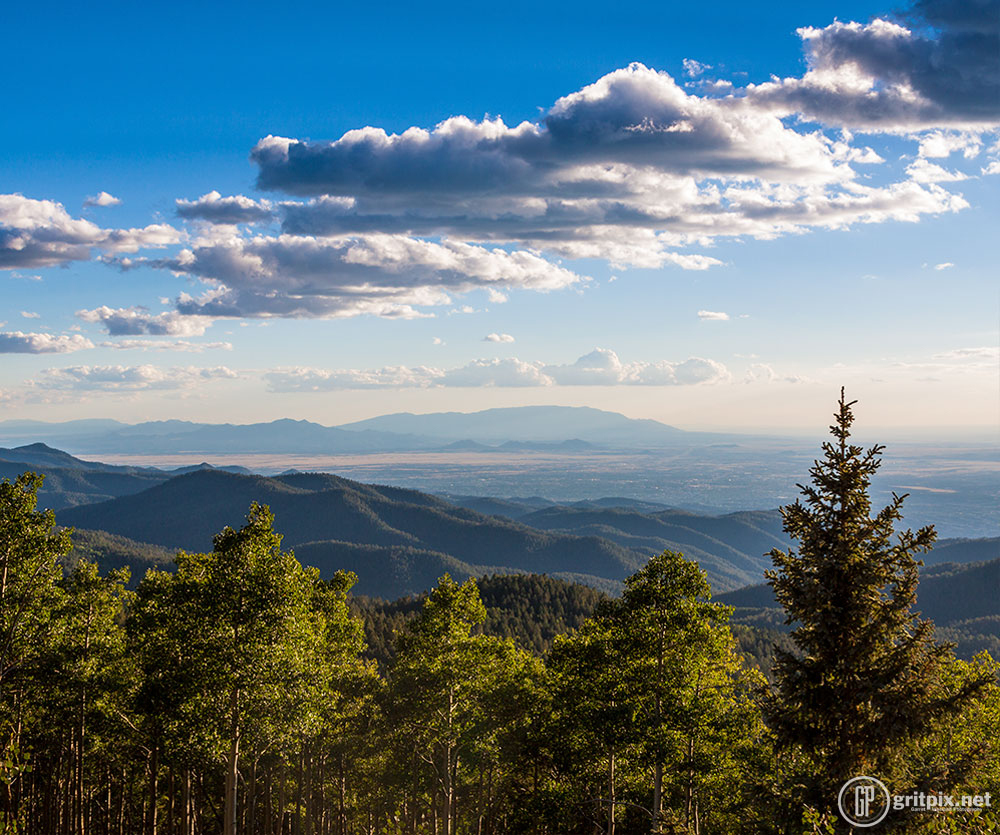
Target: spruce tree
<point x="868" y="680"/>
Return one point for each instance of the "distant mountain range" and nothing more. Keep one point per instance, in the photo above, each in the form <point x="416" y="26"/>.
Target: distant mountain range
<point x="561" y="428"/>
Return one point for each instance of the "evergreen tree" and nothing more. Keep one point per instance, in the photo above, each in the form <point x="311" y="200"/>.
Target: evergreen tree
<point x="868" y="679"/>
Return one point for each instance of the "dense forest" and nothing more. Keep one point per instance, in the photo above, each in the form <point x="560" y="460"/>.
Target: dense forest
<point x="237" y="692"/>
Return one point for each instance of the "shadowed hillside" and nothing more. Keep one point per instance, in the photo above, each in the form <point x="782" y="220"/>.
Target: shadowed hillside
<point x="187" y="511"/>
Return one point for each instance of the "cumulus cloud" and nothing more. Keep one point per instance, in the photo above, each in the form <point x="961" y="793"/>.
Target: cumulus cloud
<point x="215" y="208"/>
<point x="18" y="342"/>
<point x="392" y="276"/>
<point x="496" y="373"/>
<point x="102" y="198"/>
<point x="945" y="143"/>
<point x="41" y="233"/>
<point x="122" y="378"/>
<point x="30" y="314"/>
<point x="630" y="169"/>
<point x="285" y="380"/>
<point x="498" y="337"/>
<point x="941" y="71"/>
<point x="922" y="171"/>
<point x="130" y="321"/>
<point x="601" y="367"/>
<point x="946" y="265"/>
<point x="633" y="116"/>
<point x="713" y="315"/>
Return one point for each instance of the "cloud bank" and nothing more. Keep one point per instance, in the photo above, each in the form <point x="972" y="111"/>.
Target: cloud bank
<point x="601" y="367"/>
<point x="122" y="378"/>
<point x="18" y="342"/>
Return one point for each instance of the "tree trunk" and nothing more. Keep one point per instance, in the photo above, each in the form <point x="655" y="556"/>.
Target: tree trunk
<point x="611" y="793"/>
<point x="232" y="770"/>
<point x="657" y="796"/>
<point x="154" y="773"/>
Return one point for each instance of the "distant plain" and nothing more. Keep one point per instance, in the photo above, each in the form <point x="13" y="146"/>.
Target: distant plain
<point x="956" y="487"/>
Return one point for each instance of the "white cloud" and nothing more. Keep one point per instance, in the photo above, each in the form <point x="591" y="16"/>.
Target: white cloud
<point x="630" y="169"/>
<point x="496" y="373"/>
<point x="922" y="171"/>
<point x="943" y="144"/>
<point x="102" y="198"/>
<point x="120" y="378"/>
<point x="28" y="314"/>
<point x="18" y="342"/>
<point x="314" y="379"/>
<point x="944" y="266"/>
<point x="392" y="276"/>
<point x="498" y="337"/>
<point x="713" y="315"/>
<point x="437" y="340"/>
<point x="40" y="233"/>
<point x="601" y="367"/>
<point x="694" y="68"/>
<point x="129" y="321"/>
<point x="992" y="168"/>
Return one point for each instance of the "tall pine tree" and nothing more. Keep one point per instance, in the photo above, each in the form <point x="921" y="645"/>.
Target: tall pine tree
<point x="868" y="680"/>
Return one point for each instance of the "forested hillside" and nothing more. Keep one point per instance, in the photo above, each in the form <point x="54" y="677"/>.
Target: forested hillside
<point x="399" y="541"/>
<point x="232" y="694"/>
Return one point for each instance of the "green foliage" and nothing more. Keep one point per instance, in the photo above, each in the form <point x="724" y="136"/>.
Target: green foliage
<point x="654" y="718"/>
<point x="30" y="548"/>
<point x="531" y="609"/>
<point x="110" y="551"/>
<point x="452" y="698"/>
<point x="241" y="693"/>
<point x="868" y="681"/>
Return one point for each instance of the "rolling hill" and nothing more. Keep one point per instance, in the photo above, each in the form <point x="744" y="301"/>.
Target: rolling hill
<point x="71" y="481"/>
<point x="328" y="513"/>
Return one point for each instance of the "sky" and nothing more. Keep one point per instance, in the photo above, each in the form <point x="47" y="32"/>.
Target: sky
<point x="711" y="214"/>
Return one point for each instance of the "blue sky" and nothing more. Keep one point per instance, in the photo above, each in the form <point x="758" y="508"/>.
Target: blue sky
<point x="709" y="214"/>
